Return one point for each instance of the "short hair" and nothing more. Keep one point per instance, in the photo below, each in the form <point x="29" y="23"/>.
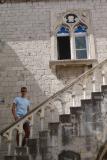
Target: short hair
<point x="23" y="88"/>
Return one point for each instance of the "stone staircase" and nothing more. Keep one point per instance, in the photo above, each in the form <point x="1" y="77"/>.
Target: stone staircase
<point x="71" y="124"/>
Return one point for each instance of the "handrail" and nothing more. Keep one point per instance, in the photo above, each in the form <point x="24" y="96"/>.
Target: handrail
<point x="55" y="95"/>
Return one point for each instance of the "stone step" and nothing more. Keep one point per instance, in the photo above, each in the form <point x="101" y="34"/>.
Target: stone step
<point x="24" y="157"/>
<point x="18" y="157"/>
<point x="104" y="88"/>
<point x="11" y="157"/>
<point x="97" y="95"/>
<point x="21" y="150"/>
<point x="32" y="146"/>
<point x="53" y="127"/>
<point x="43" y="134"/>
<point x="76" y="110"/>
<point x="43" y="140"/>
<point x="86" y="102"/>
<point x="32" y="142"/>
<point x="65" y="118"/>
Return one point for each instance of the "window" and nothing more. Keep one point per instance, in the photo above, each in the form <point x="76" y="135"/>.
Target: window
<point x="63" y="43"/>
<point x="73" y="38"/>
<point x="81" y="42"/>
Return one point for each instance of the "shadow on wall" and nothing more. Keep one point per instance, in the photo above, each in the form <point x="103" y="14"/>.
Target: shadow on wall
<point x="14" y="75"/>
<point x="68" y="155"/>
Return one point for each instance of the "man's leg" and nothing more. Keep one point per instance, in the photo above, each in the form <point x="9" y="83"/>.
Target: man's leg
<point x="17" y="138"/>
<point x="26" y="128"/>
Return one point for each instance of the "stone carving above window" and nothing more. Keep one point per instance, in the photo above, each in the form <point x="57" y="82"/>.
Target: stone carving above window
<point x="71" y="18"/>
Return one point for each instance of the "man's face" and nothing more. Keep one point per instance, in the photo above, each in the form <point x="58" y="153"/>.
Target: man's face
<point x="23" y="92"/>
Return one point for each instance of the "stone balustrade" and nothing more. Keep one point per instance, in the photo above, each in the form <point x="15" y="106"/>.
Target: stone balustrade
<point x="69" y="96"/>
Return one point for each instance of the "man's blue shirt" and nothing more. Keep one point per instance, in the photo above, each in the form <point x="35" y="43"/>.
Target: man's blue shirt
<point x="22" y="105"/>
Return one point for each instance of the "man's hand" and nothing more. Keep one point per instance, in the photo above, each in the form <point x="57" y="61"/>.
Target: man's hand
<point x="14" y="112"/>
<point x="16" y="118"/>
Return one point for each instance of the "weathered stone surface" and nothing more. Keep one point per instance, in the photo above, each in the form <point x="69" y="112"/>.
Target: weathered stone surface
<point x="97" y="95"/>
<point x="43" y="140"/>
<point x="76" y="110"/>
<point x="17" y="157"/>
<point x="43" y="144"/>
<point x="31" y="142"/>
<point x="53" y="127"/>
<point x="104" y="88"/>
<point x="9" y="157"/>
<point x="67" y="132"/>
<point x="32" y="146"/>
<point x="22" y="157"/>
<point x="86" y="102"/>
<point x="21" y="150"/>
<point x="67" y="155"/>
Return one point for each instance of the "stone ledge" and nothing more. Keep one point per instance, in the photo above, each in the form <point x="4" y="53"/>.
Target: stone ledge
<point x="73" y="63"/>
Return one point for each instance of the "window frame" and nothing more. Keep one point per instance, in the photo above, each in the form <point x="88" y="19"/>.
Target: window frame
<point x="89" y="41"/>
<point x="80" y="34"/>
<point x="58" y="53"/>
<point x="62" y="35"/>
<point x="79" y="17"/>
<point x="72" y="36"/>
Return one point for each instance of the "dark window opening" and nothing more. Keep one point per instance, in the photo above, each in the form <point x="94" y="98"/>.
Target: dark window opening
<point x="63" y="47"/>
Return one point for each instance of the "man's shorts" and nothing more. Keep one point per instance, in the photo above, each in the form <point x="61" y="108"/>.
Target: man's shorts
<point x="26" y="124"/>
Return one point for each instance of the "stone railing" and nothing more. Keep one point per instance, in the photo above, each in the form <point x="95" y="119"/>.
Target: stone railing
<point x="69" y="96"/>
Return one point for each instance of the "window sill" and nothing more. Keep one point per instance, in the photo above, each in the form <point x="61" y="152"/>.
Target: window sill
<point x="73" y="63"/>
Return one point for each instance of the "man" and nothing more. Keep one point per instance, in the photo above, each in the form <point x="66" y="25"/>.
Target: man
<point x="19" y="109"/>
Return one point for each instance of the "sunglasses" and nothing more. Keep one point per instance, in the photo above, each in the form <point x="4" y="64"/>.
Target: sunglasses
<point x="23" y="91"/>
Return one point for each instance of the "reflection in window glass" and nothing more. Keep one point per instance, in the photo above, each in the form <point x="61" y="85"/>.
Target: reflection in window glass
<point x="80" y="42"/>
<point x="81" y="28"/>
<point x="81" y="54"/>
<point x="63" y="31"/>
<point x="81" y="50"/>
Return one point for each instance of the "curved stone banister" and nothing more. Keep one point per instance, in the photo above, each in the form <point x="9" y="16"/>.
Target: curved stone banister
<point x="54" y="96"/>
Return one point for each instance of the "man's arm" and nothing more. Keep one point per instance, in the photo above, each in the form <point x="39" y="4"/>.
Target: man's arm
<point x="14" y="112"/>
<point x="28" y="109"/>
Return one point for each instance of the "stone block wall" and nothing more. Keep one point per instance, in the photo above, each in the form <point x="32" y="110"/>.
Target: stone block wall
<point x="25" y="46"/>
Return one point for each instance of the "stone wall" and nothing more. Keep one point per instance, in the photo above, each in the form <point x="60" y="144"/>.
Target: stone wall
<point x="25" y="46"/>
